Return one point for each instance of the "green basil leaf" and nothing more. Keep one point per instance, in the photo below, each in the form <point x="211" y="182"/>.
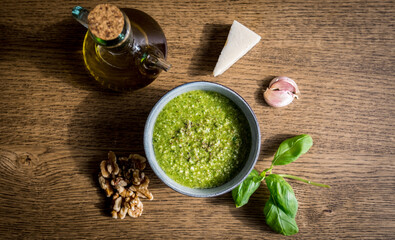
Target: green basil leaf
<point x="290" y="149"/>
<point x="282" y="194"/>
<point x="278" y="220"/>
<point x="281" y="208"/>
<point x="242" y="193"/>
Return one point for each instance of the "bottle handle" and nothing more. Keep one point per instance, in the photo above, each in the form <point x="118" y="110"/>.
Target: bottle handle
<point x="152" y="57"/>
<point x="158" y="62"/>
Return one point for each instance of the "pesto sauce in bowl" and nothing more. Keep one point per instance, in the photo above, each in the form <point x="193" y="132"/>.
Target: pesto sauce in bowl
<point x="201" y="139"/>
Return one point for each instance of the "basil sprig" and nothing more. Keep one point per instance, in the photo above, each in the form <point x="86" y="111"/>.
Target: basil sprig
<point x="281" y="208"/>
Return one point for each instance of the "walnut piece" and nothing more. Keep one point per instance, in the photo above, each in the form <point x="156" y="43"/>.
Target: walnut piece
<point x="136" y="208"/>
<point x="125" y="181"/>
<point x="138" y="177"/>
<point x="105" y="185"/>
<point x="123" y="212"/>
<point x="103" y="169"/>
<point x="117" y="204"/>
<point x="139" y="162"/>
<point x="142" y="189"/>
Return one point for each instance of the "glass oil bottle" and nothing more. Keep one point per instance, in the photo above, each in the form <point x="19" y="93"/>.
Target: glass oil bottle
<point x="133" y="58"/>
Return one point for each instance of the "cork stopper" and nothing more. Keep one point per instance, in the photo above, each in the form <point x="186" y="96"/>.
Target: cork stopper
<point x="106" y="21"/>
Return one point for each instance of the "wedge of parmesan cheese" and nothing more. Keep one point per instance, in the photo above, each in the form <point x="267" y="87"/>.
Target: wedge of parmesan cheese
<point x="240" y="40"/>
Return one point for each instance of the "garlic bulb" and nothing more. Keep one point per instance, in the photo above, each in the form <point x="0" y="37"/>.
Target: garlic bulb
<point x="281" y="92"/>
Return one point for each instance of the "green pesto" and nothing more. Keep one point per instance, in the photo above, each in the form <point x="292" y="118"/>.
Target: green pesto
<point x="201" y="139"/>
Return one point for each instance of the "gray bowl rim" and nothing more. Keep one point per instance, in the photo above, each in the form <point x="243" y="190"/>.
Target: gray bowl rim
<point x="149" y="151"/>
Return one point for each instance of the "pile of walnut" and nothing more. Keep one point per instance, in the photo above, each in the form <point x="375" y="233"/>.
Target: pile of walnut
<point x="125" y="182"/>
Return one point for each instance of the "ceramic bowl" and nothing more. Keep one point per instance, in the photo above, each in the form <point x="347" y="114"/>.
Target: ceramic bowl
<point x="255" y="139"/>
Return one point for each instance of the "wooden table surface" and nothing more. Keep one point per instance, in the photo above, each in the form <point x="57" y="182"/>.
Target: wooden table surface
<point x="57" y="123"/>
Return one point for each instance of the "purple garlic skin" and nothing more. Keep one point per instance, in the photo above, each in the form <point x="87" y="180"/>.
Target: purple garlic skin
<point x="281" y="92"/>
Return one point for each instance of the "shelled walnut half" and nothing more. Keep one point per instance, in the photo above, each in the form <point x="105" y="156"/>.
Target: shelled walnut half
<point x="123" y="179"/>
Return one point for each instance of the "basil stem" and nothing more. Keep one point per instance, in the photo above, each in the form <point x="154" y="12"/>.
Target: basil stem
<point x="304" y="180"/>
<point x="263" y="173"/>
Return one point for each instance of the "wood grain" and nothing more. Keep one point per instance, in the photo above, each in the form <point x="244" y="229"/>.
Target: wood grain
<point x="57" y="123"/>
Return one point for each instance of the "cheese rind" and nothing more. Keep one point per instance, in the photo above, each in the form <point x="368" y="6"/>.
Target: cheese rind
<point x="240" y="40"/>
